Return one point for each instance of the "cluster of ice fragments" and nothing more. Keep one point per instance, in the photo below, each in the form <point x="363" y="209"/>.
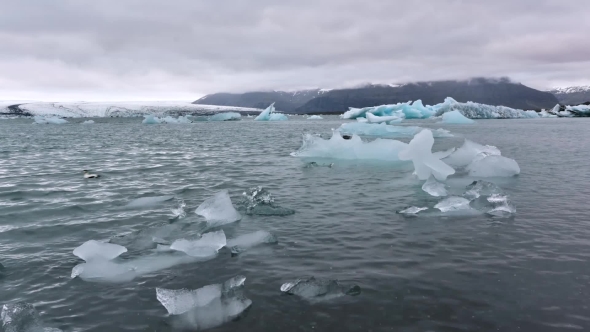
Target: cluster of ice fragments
<point x="22" y="317"/>
<point x="269" y="115"/>
<point x="417" y="110"/>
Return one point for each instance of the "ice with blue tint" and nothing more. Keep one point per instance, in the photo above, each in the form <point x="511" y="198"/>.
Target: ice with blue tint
<point x="226" y="116"/>
<point x="243" y="242"/>
<point x="180" y="120"/>
<point x="269" y="115"/>
<point x="468" y="152"/>
<point x="150" y="119"/>
<point x="317" y="290"/>
<point x="482" y="161"/>
<point x="218" y="209"/>
<point x="579" y="110"/>
<point x="48" y="120"/>
<point x="206" y="246"/>
<point x="455" y="117"/>
<point x="417" y="110"/>
<point x="371" y="118"/>
<point x="95" y="250"/>
<point x="315" y="147"/>
<point x="383" y="130"/>
<point x="419" y="151"/>
<point x="314" y="117"/>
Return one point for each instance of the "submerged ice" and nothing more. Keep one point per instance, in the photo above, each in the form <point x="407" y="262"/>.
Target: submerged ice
<point x="22" y="317"/>
<point x="489" y="198"/>
<point x="434" y="188"/>
<point x="205" y="247"/>
<point x="247" y="241"/>
<point x="219" y="209"/>
<point x="315" y="290"/>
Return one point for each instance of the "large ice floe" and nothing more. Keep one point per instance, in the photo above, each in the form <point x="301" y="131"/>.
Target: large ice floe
<point x="383" y="130"/>
<point x="318" y="290"/>
<point x="416" y="110"/>
<point x="259" y="201"/>
<point x="48" y="120"/>
<point x="269" y="115"/>
<point x="218" y="210"/>
<point x="206" y="307"/>
<point x="226" y="116"/>
<point x="23" y="317"/>
<point x="103" y="263"/>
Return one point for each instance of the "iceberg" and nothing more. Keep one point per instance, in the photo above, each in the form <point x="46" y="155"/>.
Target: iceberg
<point x="48" y="120"/>
<point x="383" y="130"/>
<point x="207" y="246"/>
<point x="468" y="152"/>
<point x="146" y="202"/>
<point x="315" y="117"/>
<point x="579" y="110"/>
<point x="434" y="188"/>
<point x="206" y="307"/>
<point x="150" y="119"/>
<point x="425" y="163"/>
<point x="226" y="116"/>
<point x="258" y="201"/>
<point x="218" y="209"/>
<point x="371" y="118"/>
<point x="94" y="250"/>
<point x="412" y="210"/>
<point x="180" y="120"/>
<point x="22" y="317"/>
<point x="269" y="115"/>
<point x="453" y="203"/>
<point x="247" y="241"/>
<point x="352" y="149"/>
<point x="455" y="117"/>
<point x="88" y="122"/>
<point x="316" y="290"/>
<point x="493" y="166"/>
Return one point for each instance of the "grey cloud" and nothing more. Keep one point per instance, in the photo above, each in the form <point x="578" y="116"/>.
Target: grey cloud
<point x="184" y="48"/>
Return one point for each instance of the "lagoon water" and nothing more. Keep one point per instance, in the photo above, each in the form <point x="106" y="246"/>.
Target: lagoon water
<point x="529" y="272"/>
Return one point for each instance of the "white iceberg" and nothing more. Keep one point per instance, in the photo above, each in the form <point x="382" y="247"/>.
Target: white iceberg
<point x="425" y="163"/>
<point x="352" y="149"/>
<point x="464" y="155"/>
<point x="207" y="246"/>
<point x="269" y="115"/>
<point x="383" y="130"/>
<point x="371" y="118"/>
<point x="226" y="116"/>
<point x="48" y="120"/>
<point x="315" y="117"/>
<point x="94" y="250"/>
<point x="219" y="209"/>
<point x="434" y="188"/>
<point x="455" y="117"/>
<point x="493" y="166"/>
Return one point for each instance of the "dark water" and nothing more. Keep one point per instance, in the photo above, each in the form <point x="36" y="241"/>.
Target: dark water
<point x="471" y="273"/>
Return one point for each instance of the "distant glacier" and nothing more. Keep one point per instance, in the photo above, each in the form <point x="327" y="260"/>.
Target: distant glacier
<point x="113" y="109"/>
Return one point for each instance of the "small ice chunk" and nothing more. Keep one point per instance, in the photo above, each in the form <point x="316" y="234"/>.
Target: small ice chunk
<point x="481" y="188"/>
<point x="493" y="166"/>
<point x="425" y="163"/>
<point x="468" y="152"/>
<point x="434" y="188"/>
<point x="179" y="212"/>
<point x="93" y="250"/>
<point x="148" y="201"/>
<point x="412" y="210"/>
<point x="259" y="201"/>
<point x="243" y="242"/>
<point x="226" y="116"/>
<point x="22" y="317"/>
<point x="219" y="209"/>
<point x="88" y="122"/>
<point x="150" y="119"/>
<point x="455" y="117"/>
<point x="453" y="203"/>
<point x="318" y="289"/>
<point x="315" y="117"/>
<point x="208" y="245"/>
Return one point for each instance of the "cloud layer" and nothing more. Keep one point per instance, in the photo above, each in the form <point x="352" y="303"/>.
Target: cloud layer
<point x="182" y="49"/>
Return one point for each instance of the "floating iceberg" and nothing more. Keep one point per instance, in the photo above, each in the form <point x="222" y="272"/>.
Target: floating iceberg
<point x="88" y="122"/>
<point x="226" y="116"/>
<point x="247" y="241"/>
<point x="206" y="307"/>
<point x="48" y="120"/>
<point x="269" y="115"/>
<point x="352" y="149"/>
<point x="425" y="163"/>
<point x="94" y="250"/>
<point x="383" y="130"/>
<point x="371" y="118"/>
<point x="207" y="246"/>
<point x="453" y="203"/>
<point x="150" y="119"/>
<point x="22" y="317"/>
<point x="412" y="210"/>
<point x="315" y="117"/>
<point x="258" y="201"/>
<point x="455" y="117"/>
<point x="315" y="290"/>
<point x="219" y="209"/>
<point x="180" y="120"/>
<point x="493" y="166"/>
<point x="579" y="110"/>
<point x="417" y="110"/>
<point x="434" y="188"/>
<point x="146" y="202"/>
<point x="468" y="152"/>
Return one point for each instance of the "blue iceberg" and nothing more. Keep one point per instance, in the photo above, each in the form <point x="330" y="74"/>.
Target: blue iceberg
<point x="269" y="115"/>
<point x="383" y="130"/>
<point x="150" y="119"/>
<point x="455" y="117"/>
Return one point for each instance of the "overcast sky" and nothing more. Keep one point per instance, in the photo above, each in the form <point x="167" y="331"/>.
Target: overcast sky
<point x="182" y="49"/>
